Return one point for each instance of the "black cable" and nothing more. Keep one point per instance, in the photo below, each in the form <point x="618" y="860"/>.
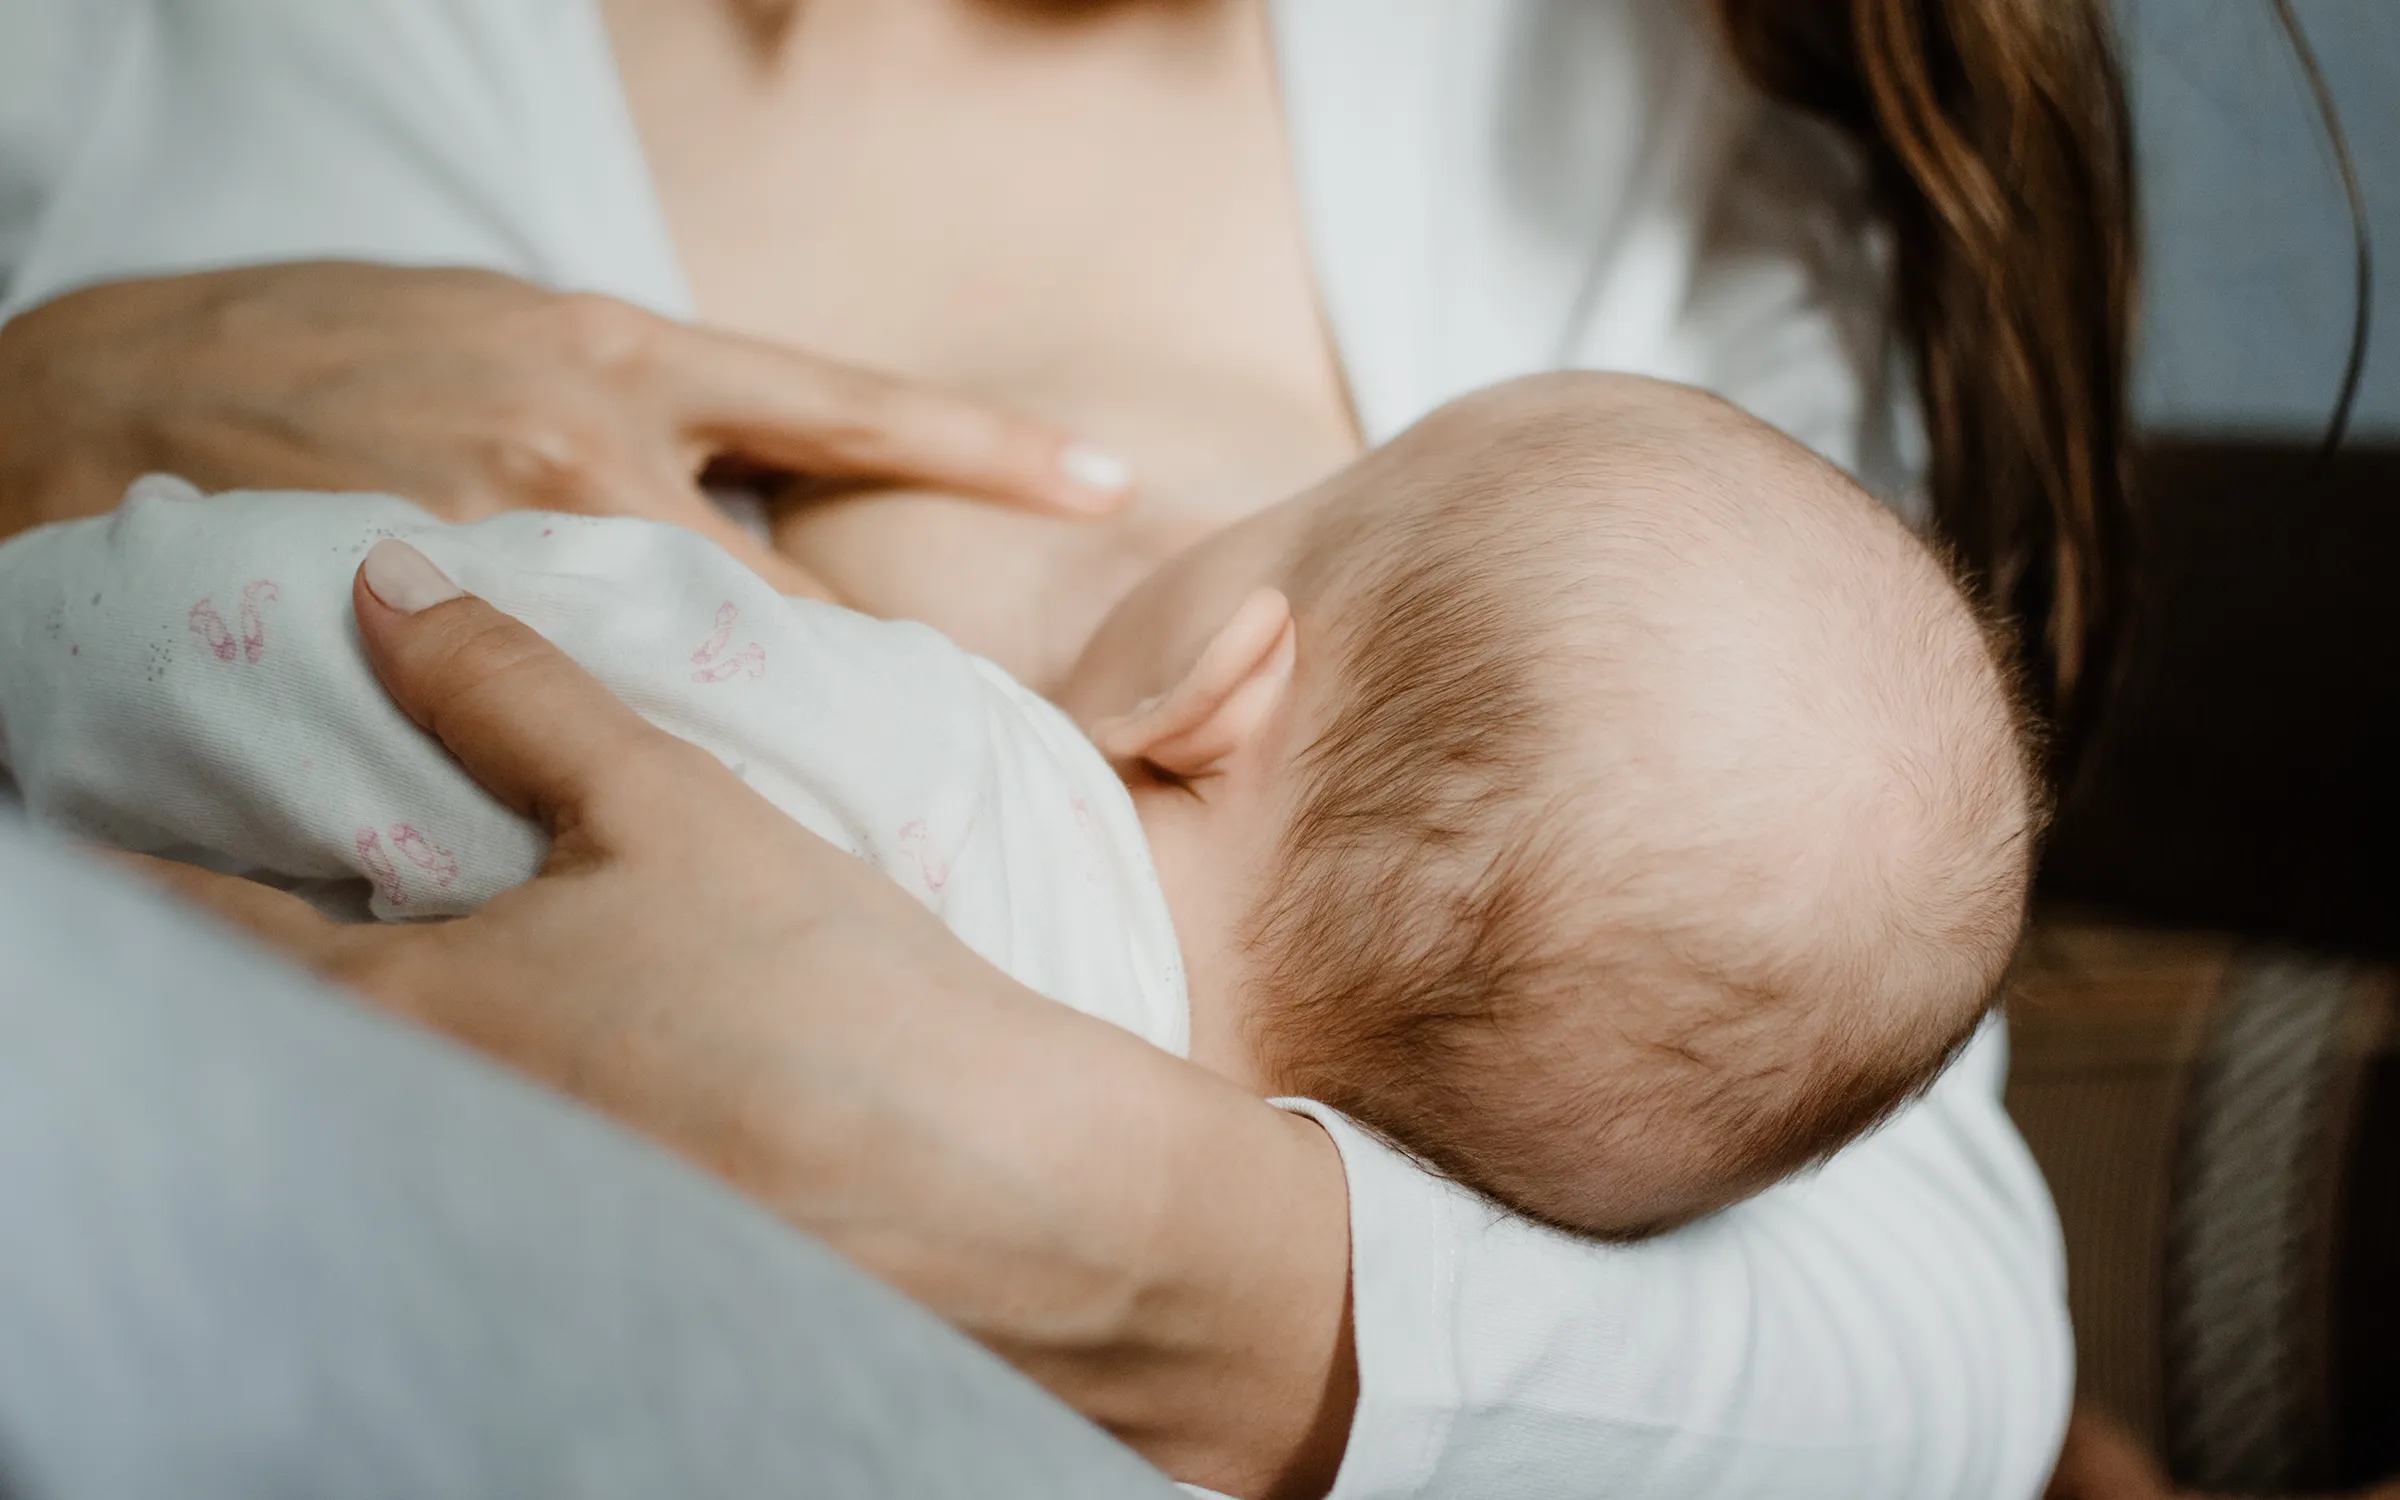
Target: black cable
<point x="2362" y="245"/>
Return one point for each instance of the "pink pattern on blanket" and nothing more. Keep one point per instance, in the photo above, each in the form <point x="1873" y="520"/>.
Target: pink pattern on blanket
<point x="207" y="624"/>
<point x="933" y="867"/>
<point x="711" y="664"/>
<point x="210" y="626"/>
<point x="414" y="847"/>
<point x="425" y="854"/>
<point x="380" y="870"/>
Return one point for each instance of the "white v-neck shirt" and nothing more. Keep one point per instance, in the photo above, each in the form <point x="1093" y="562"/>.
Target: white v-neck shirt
<point x="1490" y="187"/>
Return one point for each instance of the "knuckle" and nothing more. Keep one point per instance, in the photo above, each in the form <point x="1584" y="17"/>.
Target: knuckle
<point x="227" y="317"/>
<point x="547" y="458"/>
<point x="457" y="499"/>
<point x="602" y="332"/>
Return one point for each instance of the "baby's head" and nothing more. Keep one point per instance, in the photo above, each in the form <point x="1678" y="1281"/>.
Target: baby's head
<point x="1592" y="791"/>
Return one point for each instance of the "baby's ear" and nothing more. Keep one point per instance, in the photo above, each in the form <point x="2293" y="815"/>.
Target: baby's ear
<point x="1197" y="725"/>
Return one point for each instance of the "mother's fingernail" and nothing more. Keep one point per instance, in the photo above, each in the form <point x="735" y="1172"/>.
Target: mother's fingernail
<point x="405" y="578"/>
<point x="1095" y="468"/>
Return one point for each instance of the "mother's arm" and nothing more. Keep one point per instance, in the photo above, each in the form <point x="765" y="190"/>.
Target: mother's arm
<point x="1165" y="1253"/>
<point x="468" y="392"/>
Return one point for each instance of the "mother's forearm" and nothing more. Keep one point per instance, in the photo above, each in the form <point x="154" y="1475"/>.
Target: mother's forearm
<point x="1164" y="1252"/>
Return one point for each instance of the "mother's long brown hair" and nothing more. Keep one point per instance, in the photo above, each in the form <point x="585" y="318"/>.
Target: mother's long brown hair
<point x="1996" y="138"/>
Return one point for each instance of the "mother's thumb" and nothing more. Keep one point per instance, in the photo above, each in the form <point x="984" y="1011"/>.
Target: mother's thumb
<point x="539" y="732"/>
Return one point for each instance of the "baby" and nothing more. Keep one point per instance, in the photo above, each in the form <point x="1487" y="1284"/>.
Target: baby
<point x="1591" y="790"/>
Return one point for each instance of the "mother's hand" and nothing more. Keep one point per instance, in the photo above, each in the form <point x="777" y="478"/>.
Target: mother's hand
<point x="1165" y="1253"/>
<point x="469" y="392"/>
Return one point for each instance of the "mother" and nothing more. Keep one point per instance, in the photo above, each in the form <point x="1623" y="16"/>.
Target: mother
<point x="1233" y="241"/>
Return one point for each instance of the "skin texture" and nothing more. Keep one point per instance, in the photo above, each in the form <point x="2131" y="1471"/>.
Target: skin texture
<point x="1081" y="208"/>
<point x="338" y="375"/>
<point x="1784" y="812"/>
<point x="1187" y="688"/>
<point x="476" y="393"/>
<point x="1078" y="211"/>
<point x="878" y="1104"/>
<point x="1221" y="399"/>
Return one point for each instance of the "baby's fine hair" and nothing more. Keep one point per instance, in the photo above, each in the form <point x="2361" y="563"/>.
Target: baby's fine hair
<point x="1633" y="869"/>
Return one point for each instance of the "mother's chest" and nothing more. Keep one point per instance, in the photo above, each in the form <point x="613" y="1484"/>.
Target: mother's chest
<point x="1094" y="222"/>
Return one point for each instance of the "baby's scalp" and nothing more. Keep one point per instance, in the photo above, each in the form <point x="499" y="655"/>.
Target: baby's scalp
<point x="1667" y="821"/>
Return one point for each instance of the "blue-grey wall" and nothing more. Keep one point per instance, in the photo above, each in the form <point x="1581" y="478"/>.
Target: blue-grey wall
<point x="2248" y="305"/>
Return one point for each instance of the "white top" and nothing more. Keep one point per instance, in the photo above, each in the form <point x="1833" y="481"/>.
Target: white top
<point x="1491" y="187"/>
<point x="182" y="678"/>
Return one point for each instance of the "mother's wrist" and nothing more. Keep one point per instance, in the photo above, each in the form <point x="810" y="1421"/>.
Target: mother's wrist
<point x="1162" y="1251"/>
<point x="1003" y="1162"/>
<point x="1208" y="1324"/>
<point x="1250" y="1304"/>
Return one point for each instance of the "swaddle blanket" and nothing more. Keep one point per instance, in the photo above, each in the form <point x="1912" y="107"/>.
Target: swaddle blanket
<point x="184" y="677"/>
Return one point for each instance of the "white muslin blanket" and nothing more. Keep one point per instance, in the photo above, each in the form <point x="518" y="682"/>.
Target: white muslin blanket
<point x="184" y="677"/>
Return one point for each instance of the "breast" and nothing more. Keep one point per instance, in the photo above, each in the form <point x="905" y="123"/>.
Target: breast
<point x="1094" y="223"/>
<point x="1028" y="590"/>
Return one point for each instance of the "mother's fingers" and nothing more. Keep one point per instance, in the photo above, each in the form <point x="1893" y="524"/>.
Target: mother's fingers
<point x="536" y="730"/>
<point x="786" y="409"/>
